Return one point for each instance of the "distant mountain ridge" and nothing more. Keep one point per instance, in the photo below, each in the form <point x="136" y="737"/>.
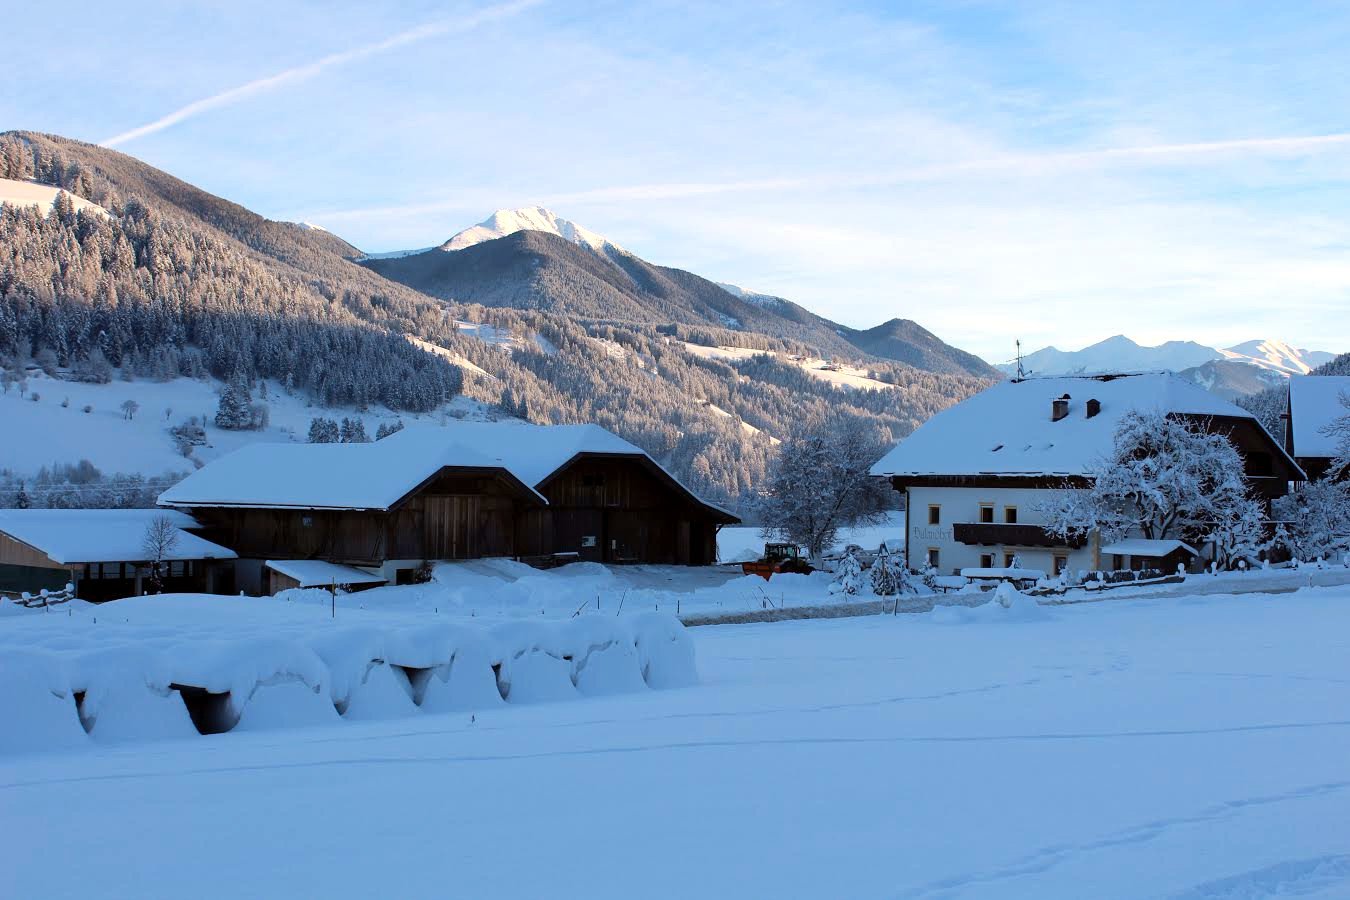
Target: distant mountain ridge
<point x="534" y="259"/>
<point x="1239" y="370"/>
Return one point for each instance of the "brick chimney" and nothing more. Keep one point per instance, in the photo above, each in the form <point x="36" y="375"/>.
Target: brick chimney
<point x="1094" y="406"/>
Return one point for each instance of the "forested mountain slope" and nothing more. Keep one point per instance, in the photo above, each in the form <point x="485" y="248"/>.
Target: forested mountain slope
<point x="182" y="284"/>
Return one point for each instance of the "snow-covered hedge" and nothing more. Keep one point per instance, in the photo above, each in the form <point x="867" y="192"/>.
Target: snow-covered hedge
<point x="63" y="692"/>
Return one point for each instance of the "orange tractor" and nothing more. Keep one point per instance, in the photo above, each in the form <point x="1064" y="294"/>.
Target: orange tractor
<point x="778" y="558"/>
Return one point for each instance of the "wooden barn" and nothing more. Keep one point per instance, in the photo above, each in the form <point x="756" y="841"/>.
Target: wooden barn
<point x="463" y="491"/>
<point x="103" y="553"/>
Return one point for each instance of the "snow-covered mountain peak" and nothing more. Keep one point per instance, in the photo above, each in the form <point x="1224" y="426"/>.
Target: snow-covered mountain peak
<point x="1277" y="356"/>
<point x="528" y="218"/>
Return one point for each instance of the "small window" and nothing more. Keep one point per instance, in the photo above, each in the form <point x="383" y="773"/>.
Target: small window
<point x="1061" y="563"/>
<point x="987" y="513"/>
<point x="1010" y="515"/>
<point x="986" y="560"/>
<point x="934" y="557"/>
<point x="307" y="521"/>
<point x="1008" y="560"/>
<point x="934" y="515"/>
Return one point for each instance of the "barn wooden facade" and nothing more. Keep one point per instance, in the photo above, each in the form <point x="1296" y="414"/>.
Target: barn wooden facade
<point x="542" y="494"/>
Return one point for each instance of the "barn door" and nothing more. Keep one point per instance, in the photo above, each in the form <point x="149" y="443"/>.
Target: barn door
<point x="450" y="526"/>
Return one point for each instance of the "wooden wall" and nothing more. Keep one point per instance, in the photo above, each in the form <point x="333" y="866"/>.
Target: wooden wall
<point x="631" y="514"/>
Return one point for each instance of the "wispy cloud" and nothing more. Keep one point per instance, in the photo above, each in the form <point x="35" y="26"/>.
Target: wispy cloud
<point x="234" y="95"/>
<point x="1014" y="165"/>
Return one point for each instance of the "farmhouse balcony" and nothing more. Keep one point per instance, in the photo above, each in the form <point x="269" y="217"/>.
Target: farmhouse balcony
<point x="988" y="534"/>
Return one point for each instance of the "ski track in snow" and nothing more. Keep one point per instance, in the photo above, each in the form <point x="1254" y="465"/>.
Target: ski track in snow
<point x="1047" y="857"/>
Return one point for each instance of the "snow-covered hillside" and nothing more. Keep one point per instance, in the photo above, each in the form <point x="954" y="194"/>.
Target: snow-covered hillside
<point x="1277" y="356"/>
<point x="30" y="193"/>
<point x="836" y="374"/>
<point x="55" y="428"/>
<point x="531" y="218"/>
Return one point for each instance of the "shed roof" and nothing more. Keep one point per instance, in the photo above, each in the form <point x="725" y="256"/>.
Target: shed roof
<point x="1315" y="403"/>
<point x="1007" y="428"/>
<point x="317" y="573"/>
<point x="1147" y="547"/>
<point x="70" y="536"/>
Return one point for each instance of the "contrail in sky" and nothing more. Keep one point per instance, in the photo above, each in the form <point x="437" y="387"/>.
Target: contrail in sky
<point x="309" y="70"/>
<point x="1033" y="165"/>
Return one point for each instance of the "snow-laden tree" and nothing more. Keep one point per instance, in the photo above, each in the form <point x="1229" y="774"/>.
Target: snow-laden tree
<point x="160" y="539"/>
<point x="848" y="578"/>
<point x="1339" y="429"/>
<point x="884" y="580"/>
<point x="352" y="431"/>
<point x="890" y="575"/>
<point x="323" y="431"/>
<point x="1240" y="534"/>
<point x="1315" y="520"/>
<point x="820" y="483"/>
<point x="1164" y="477"/>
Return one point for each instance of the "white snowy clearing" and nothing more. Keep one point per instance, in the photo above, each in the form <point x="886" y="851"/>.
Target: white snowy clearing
<point x="1187" y="747"/>
<point x="43" y="196"/>
<point x="838" y="375"/>
<point x="56" y="429"/>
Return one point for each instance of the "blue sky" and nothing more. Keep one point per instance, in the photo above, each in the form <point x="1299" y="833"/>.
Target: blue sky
<point x="1058" y="172"/>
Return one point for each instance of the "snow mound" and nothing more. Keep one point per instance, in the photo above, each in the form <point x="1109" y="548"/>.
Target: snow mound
<point x="157" y="668"/>
<point x="37" y="709"/>
<point x="1005" y="605"/>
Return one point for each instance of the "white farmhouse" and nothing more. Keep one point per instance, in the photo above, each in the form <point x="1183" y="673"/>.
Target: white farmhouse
<point x="974" y="474"/>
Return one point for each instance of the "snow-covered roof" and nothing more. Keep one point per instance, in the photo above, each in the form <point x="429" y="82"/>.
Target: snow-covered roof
<point x="377" y="475"/>
<point x="1314" y="403"/>
<point x="1007" y="428"/>
<point x="70" y="536"/>
<point x="317" y="573"/>
<point x="530" y="452"/>
<point x="1146" y="547"/>
<point x="319" y="476"/>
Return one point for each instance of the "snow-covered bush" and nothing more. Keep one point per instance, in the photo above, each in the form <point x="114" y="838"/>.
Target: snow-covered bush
<point x="1314" y="520"/>
<point x="848" y="577"/>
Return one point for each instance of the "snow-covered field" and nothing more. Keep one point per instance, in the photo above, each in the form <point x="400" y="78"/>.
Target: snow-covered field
<point x="1187" y="747"/>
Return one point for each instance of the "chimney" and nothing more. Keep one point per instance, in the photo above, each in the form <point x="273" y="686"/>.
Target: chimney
<point x="1059" y="408"/>
<point x="1094" y="406"/>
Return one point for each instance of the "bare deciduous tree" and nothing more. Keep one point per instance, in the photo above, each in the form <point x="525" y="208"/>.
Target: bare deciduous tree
<point x="161" y="539"/>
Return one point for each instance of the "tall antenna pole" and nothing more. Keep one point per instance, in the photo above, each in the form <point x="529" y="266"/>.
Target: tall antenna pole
<point x="1021" y="373"/>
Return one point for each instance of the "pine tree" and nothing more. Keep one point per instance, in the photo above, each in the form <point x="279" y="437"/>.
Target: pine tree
<point x="848" y="578"/>
<point x="885" y="581"/>
<point x="353" y="431"/>
<point x="323" y="431"/>
<point x="235" y="410"/>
